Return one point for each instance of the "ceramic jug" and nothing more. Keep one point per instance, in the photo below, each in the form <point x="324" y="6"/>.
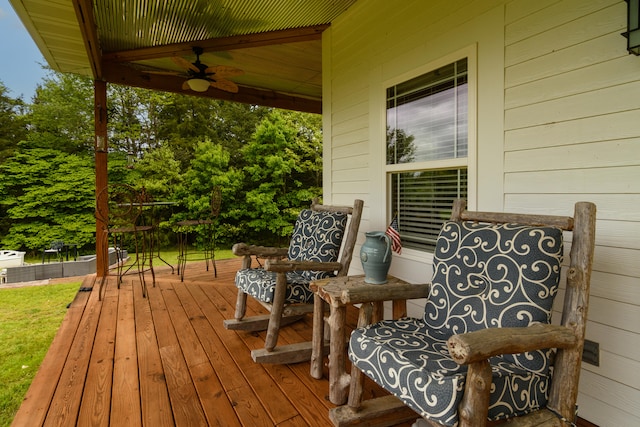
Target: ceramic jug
<point x="375" y="255"/>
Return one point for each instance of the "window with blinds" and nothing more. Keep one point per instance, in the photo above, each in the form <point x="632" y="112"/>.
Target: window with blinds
<point x="427" y="136"/>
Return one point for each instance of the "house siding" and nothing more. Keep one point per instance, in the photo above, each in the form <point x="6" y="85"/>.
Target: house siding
<point x="557" y="121"/>
<point x="572" y="128"/>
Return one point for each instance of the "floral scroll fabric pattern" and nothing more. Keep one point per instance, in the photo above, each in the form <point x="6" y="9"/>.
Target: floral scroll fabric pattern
<point x="486" y="276"/>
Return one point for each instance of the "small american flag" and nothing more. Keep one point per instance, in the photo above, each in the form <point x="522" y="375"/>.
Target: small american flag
<point x="392" y="232"/>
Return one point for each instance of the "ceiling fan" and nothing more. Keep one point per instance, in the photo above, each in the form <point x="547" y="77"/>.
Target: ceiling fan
<point x="200" y="76"/>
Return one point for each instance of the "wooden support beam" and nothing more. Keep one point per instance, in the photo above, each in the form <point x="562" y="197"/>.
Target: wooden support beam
<point x="88" y="28"/>
<point x="101" y="147"/>
<point x="219" y="44"/>
<point x="127" y="76"/>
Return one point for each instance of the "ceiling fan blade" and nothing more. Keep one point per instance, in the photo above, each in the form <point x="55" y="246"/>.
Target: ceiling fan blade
<point x="181" y="62"/>
<point x="226" y="85"/>
<point x="223" y="71"/>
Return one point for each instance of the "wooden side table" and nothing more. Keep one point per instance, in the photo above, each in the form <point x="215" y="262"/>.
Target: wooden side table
<point x="338" y="292"/>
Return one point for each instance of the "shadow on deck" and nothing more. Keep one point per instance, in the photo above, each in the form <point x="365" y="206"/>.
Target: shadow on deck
<point x="167" y="360"/>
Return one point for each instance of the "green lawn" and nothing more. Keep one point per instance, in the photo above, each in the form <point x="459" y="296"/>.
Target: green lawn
<point x="29" y="319"/>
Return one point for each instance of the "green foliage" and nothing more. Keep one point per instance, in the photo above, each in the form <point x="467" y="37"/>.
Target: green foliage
<point x="47" y="195"/>
<point x="12" y="123"/>
<point x="280" y="174"/>
<point x="268" y="162"/>
<point x="159" y="173"/>
<point x="61" y="116"/>
<point x="29" y="319"/>
<point x="210" y="167"/>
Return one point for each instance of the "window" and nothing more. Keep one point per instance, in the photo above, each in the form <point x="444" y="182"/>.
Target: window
<point x="427" y="150"/>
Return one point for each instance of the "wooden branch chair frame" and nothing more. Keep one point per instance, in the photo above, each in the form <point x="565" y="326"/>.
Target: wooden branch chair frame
<point x="475" y="348"/>
<point x="282" y="314"/>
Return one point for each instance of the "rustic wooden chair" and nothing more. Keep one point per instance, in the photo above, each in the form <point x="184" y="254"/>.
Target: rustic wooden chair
<point x="321" y="246"/>
<point x="121" y="222"/>
<point x="485" y="349"/>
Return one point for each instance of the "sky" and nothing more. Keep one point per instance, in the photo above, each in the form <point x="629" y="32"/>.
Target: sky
<point x="20" y="59"/>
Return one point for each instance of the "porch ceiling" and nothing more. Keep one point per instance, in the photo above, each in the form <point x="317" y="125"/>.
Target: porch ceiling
<point x="276" y="42"/>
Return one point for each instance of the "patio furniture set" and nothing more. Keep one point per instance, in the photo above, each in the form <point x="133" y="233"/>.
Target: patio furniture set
<point x="130" y="219"/>
<point x="485" y="349"/>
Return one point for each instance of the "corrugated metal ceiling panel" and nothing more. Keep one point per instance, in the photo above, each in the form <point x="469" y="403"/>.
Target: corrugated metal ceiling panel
<point x="143" y="23"/>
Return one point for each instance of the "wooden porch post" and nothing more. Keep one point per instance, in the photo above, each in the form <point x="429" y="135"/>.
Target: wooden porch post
<point x="101" y="146"/>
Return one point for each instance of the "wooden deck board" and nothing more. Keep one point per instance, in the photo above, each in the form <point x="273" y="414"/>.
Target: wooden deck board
<point x="96" y="404"/>
<point x="166" y="360"/>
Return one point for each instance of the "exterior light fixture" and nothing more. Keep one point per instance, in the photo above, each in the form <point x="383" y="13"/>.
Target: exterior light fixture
<point x="131" y="159"/>
<point x="101" y="143"/>
<point x="633" y="26"/>
<point x="198" y="85"/>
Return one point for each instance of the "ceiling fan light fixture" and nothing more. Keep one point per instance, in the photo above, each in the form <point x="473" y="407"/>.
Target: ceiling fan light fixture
<point x="198" y="85"/>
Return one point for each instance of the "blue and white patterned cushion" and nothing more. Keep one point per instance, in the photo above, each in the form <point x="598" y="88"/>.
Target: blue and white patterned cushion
<point x="317" y="236"/>
<point x="261" y="285"/>
<point x="485" y="276"/>
<point x="492" y="276"/>
<point x="403" y="357"/>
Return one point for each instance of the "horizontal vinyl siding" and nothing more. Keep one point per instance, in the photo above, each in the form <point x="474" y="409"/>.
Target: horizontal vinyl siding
<point x="372" y="43"/>
<point x="567" y="130"/>
<point x="572" y="133"/>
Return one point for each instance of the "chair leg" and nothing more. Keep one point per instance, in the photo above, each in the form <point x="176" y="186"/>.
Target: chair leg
<point x="241" y="305"/>
<point x="276" y="312"/>
<point x="355" y="389"/>
<point x="474" y="407"/>
<point x="138" y="263"/>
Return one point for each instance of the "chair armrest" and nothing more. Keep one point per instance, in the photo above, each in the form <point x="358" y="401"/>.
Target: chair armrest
<point x="242" y="249"/>
<point x="389" y="292"/>
<point x="287" y="265"/>
<point x="480" y="345"/>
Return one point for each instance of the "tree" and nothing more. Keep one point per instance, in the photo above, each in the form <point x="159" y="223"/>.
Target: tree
<point x="12" y="123"/>
<point x="48" y="195"/>
<point x="210" y="167"/>
<point x="61" y="116"/>
<point x="280" y="160"/>
<point x="184" y="121"/>
<point x="158" y="172"/>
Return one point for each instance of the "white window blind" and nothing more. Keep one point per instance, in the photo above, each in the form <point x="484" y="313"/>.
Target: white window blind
<point x="427" y="121"/>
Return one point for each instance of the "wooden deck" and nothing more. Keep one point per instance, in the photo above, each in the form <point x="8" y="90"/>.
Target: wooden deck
<point x="167" y="360"/>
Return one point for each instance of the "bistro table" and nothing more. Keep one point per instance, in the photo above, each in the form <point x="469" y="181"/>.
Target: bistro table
<point x="154" y="220"/>
<point x="338" y="292"/>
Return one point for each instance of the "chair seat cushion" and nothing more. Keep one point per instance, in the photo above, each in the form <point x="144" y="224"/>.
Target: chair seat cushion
<point x="415" y="366"/>
<point x="261" y="285"/>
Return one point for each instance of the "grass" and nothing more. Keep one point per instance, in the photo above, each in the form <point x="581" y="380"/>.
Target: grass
<point x="29" y="319"/>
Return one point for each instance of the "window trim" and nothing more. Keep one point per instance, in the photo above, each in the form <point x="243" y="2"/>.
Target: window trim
<point x="470" y="162"/>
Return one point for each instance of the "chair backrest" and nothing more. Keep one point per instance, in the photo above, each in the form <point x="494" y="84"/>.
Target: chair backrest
<point x="123" y="205"/>
<point x="57" y="245"/>
<point x="351" y="235"/>
<point x="490" y="275"/>
<point x="567" y="362"/>
<point x="324" y="233"/>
